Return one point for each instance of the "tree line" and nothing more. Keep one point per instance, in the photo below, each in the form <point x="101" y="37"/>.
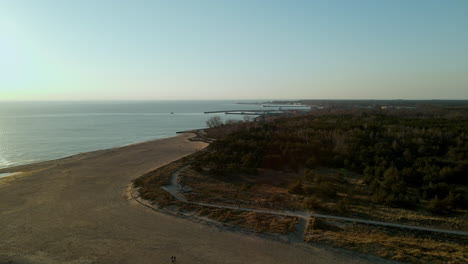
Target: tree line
<point x="405" y="157"/>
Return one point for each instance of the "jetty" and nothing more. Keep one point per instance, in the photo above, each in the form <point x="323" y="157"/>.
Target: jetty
<point x="245" y="112"/>
<point x="280" y="109"/>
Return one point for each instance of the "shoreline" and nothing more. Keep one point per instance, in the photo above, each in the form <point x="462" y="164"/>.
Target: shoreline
<point x="12" y="169"/>
<point x="9" y="174"/>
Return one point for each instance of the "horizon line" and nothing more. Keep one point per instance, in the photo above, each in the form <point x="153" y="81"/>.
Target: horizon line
<point x="263" y="100"/>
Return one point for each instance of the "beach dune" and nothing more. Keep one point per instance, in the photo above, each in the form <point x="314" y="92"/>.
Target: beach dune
<point x="76" y="210"/>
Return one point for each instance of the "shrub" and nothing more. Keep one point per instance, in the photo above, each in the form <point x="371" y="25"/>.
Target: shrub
<point x="438" y="206"/>
<point x="197" y="167"/>
<point x="138" y="182"/>
<point x="308" y="190"/>
<point x="343" y="205"/>
<point x="312" y="203"/>
<point x="276" y="198"/>
<point x="214" y="121"/>
<point x="311" y="162"/>
<point x="296" y="188"/>
<point x="309" y="175"/>
<point x="326" y="189"/>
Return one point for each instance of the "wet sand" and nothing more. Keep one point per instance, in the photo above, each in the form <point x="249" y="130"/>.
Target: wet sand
<point x="76" y="210"/>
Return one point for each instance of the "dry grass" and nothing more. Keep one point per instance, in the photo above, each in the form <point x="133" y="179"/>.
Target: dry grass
<point x="150" y="183"/>
<point x="412" y="217"/>
<point x="269" y="190"/>
<point x="260" y="222"/>
<point x="150" y="189"/>
<point x="389" y="243"/>
<point x="252" y="191"/>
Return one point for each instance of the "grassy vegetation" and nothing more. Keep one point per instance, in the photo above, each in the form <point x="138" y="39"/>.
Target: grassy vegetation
<point x="259" y="222"/>
<point x="248" y="191"/>
<point x="331" y="191"/>
<point x="414" y="247"/>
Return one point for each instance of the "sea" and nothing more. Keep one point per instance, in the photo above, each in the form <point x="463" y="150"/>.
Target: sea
<point x="38" y="131"/>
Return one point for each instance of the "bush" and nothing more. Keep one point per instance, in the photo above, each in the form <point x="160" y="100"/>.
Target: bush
<point x="197" y="167"/>
<point x="343" y="205"/>
<point x="308" y="190"/>
<point x="296" y="188"/>
<point x="213" y="122"/>
<point x="311" y="162"/>
<point x="276" y="198"/>
<point x="312" y="203"/>
<point x="369" y="175"/>
<point x="138" y="182"/>
<point x="326" y="189"/>
<point x="438" y="206"/>
<point x="309" y="175"/>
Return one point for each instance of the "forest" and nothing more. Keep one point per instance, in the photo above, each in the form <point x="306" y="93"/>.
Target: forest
<point x="407" y="157"/>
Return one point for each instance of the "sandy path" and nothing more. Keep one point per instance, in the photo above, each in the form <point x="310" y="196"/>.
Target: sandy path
<point x="74" y="210"/>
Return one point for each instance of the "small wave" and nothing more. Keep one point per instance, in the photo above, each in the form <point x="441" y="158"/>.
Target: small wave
<point x="5" y="174"/>
<point x="3" y="161"/>
<point x="8" y="164"/>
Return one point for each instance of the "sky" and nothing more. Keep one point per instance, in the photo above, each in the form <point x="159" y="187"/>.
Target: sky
<point x="239" y="49"/>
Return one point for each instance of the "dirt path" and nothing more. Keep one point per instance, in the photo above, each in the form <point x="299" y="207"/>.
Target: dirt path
<point x="174" y="190"/>
<point x="75" y="210"/>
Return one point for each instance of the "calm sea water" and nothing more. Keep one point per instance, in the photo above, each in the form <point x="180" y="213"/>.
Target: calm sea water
<point x="36" y="131"/>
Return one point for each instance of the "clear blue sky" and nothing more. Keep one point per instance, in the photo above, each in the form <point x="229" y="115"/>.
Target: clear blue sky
<point x="239" y="49"/>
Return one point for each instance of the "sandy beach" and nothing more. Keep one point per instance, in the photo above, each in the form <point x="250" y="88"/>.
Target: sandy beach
<point x="76" y="210"/>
